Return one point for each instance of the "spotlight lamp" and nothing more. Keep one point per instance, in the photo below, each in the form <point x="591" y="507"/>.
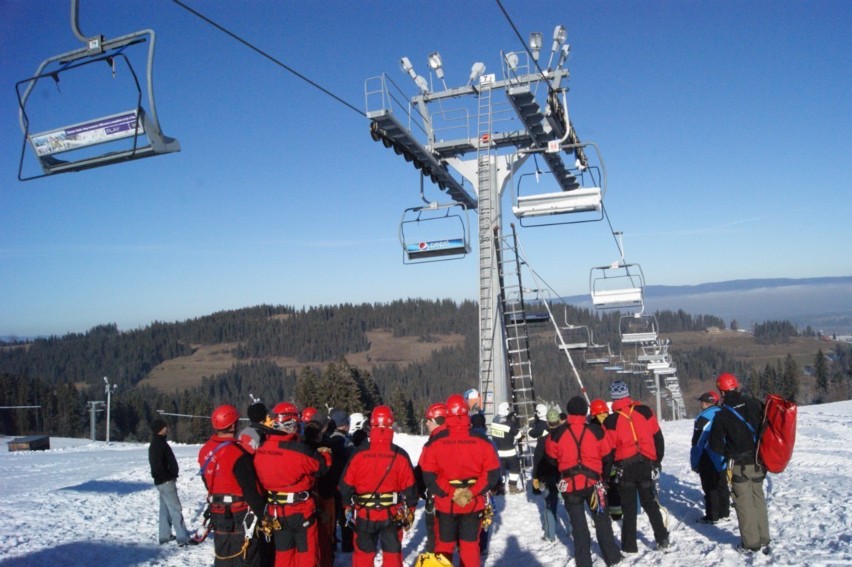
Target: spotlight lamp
<point x="563" y="56"/>
<point x="512" y="60"/>
<point x="406" y="66"/>
<point x="535" y="44"/>
<point x="476" y="71"/>
<point x="435" y="64"/>
<point x="559" y="36"/>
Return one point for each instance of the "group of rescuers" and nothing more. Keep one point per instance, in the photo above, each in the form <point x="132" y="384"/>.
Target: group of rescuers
<point x="279" y="488"/>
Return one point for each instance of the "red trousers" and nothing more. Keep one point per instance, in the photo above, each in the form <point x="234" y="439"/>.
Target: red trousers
<point x="461" y="529"/>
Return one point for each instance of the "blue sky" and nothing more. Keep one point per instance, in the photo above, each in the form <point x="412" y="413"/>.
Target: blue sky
<point x="725" y="127"/>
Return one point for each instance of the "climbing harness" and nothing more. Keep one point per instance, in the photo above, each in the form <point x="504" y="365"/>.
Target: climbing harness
<point x="248" y="527"/>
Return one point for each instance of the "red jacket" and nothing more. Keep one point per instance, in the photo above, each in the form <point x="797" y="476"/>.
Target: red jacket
<point x="580" y="450"/>
<point x="633" y="429"/>
<point x="226" y="469"/>
<point x="378" y="468"/>
<point x="286" y="465"/>
<point x="459" y="454"/>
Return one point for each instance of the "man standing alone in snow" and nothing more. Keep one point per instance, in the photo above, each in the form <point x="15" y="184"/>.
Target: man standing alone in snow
<point x="164" y="469"/>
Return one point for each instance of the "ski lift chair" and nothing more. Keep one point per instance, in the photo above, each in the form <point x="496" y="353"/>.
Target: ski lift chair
<point x="615" y="364"/>
<point x="434" y="232"/>
<point x="573" y="337"/>
<point x="132" y="132"/>
<point x="617" y="286"/>
<point x="652" y="352"/>
<point x="597" y="354"/>
<point x="535" y="311"/>
<point x="583" y="192"/>
<point x="638" y="328"/>
<point x="666" y="370"/>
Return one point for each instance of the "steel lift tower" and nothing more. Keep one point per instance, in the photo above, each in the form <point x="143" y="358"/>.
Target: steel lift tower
<point x="469" y="141"/>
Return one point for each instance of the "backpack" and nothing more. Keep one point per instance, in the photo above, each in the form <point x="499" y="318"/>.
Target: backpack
<point x="778" y="436"/>
<point x="777" y="432"/>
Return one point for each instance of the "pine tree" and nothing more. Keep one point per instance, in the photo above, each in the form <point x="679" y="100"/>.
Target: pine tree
<point x="308" y="390"/>
<point x="789" y="387"/>
<point x="398" y="403"/>
<point x="367" y="388"/>
<point x="821" y="372"/>
<point x="341" y="389"/>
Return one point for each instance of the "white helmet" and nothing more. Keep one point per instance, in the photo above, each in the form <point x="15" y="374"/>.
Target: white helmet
<point x="541" y="411"/>
<point x="503" y="409"/>
<point x="356" y="421"/>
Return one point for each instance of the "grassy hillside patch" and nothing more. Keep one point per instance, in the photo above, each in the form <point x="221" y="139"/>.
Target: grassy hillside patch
<point x="208" y="360"/>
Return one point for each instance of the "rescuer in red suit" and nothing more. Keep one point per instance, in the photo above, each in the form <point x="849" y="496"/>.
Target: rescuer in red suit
<point x="234" y="501"/>
<point x="459" y="467"/>
<point x="379" y="493"/>
<point x="287" y="469"/>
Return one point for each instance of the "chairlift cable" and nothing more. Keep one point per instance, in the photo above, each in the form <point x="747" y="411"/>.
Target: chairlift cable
<point x="268" y="56"/>
<point x="612" y="231"/>
<point x="526" y="47"/>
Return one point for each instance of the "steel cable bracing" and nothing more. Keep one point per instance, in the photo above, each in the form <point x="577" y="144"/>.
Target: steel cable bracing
<point x="268" y="56"/>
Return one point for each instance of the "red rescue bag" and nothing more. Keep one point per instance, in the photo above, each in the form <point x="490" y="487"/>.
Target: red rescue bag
<point x="779" y="433"/>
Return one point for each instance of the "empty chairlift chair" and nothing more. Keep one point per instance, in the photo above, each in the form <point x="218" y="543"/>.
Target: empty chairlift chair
<point x="597" y="354"/>
<point x="119" y="128"/>
<point x="573" y="337"/>
<point x="617" y="286"/>
<point x="434" y="232"/>
<point x="574" y="194"/>
<point x="638" y="328"/>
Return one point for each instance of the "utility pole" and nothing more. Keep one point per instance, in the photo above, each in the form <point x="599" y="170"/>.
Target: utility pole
<point x="94" y="408"/>
<point x="108" y="389"/>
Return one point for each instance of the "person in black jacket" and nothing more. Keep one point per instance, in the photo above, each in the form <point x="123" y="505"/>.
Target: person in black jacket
<point x="734" y="434"/>
<point x="164" y="470"/>
<point x="546" y="477"/>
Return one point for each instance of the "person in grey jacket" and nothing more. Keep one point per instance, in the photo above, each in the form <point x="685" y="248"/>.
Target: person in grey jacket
<point x="164" y="470"/>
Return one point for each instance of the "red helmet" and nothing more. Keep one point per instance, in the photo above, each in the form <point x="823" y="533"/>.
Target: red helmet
<point x="285" y="411"/>
<point x="224" y="417"/>
<point x="598" y="407"/>
<point x="308" y="414"/>
<point x="457" y="405"/>
<point x="382" y="416"/>
<point x="438" y="409"/>
<point x="727" y="382"/>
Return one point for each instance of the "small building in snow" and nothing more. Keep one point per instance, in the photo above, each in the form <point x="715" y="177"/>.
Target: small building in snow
<point x="30" y="443"/>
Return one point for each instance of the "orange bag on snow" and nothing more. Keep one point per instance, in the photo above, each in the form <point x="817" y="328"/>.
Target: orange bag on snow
<point x="779" y="433"/>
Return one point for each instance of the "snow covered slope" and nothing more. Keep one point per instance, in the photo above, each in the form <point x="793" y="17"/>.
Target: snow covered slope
<point x="85" y="503"/>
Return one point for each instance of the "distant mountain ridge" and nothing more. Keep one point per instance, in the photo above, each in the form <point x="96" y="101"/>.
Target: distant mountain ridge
<point x="824" y="304"/>
<point x="743" y="285"/>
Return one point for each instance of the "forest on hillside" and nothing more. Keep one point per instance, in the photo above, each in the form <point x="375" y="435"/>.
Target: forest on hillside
<point x="64" y="375"/>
